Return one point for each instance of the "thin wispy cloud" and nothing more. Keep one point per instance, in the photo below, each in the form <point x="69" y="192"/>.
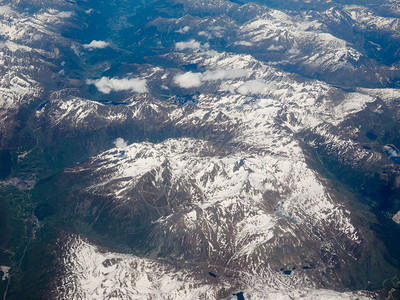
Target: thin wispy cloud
<point x="255" y="87"/>
<point x="244" y="43"/>
<point x="222" y="74"/>
<point x="274" y="48"/>
<point x="106" y="85"/>
<point x="204" y="33"/>
<point x="217" y="31"/>
<point x="192" y="80"/>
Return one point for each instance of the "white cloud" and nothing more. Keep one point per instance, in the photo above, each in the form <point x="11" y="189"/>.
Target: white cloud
<point x="255" y="87"/>
<point x="184" y="29"/>
<point x="96" y="45"/>
<point x="120" y="143"/>
<point x="294" y="51"/>
<point x="65" y="14"/>
<point x="188" y="80"/>
<point x="244" y="43"/>
<point x="106" y="84"/>
<point x="5" y="9"/>
<point x="274" y="48"/>
<point x="191" y="80"/>
<point x="192" y="44"/>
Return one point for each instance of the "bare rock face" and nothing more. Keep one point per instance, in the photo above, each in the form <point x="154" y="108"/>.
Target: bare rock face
<point x="396" y="218"/>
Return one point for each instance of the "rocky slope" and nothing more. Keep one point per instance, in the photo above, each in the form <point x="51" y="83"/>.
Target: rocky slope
<point x="207" y="149"/>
